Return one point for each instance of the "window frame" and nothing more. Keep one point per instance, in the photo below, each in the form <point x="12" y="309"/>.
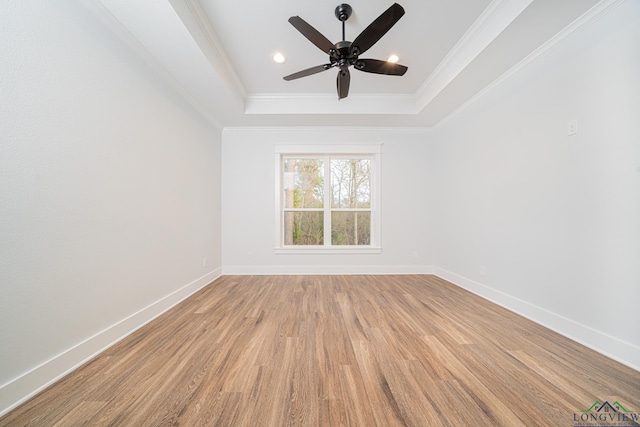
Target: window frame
<point x="327" y="152"/>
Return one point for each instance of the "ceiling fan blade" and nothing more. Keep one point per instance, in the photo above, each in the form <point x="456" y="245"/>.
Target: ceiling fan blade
<point x="313" y="35"/>
<point x="307" y="72"/>
<point x="344" y="78"/>
<point x="380" y="67"/>
<point x="377" y="29"/>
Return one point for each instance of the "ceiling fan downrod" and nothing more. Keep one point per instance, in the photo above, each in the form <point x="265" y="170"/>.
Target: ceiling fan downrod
<point x="343" y="12"/>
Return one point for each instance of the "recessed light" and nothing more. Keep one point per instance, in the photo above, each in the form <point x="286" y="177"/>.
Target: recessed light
<point x="279" y="58"/>
<point x="393" y="58"/>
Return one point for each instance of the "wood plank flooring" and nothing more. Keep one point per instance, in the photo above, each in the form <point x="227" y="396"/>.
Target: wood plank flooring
<point x="335" y="350"/>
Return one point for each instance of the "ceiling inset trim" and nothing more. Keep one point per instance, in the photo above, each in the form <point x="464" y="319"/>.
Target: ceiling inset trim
<point x="495" y="18"/>
<point x="328" y="104"/>
<point x="589" y="17"/>
<point x="323" y="130"/>
<point x="197" y="23"/>
<point x="112" y="23"/>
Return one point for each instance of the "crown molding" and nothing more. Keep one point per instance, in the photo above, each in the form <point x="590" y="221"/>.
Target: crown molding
<point x="104" y="15"/>
<point x="495" y="18"/>
<point x="316" y="103"/>
<point x="197" y="23"/>
<point x="344" y="130"/>
<point x="585" y="20"/>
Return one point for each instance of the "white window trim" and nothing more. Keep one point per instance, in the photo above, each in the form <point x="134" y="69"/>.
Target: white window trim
<point x="374" y="150"/>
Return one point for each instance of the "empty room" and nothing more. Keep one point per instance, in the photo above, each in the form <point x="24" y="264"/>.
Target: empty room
<point x="249" y="213"/>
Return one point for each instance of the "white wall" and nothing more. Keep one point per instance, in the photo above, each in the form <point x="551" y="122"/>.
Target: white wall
<point x="555" y="219"/>
<point x="248" y="200"/>
<point x="110" y="193"/>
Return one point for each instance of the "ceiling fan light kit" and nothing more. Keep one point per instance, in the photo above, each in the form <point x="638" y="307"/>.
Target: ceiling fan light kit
<point x="345" y="54"/>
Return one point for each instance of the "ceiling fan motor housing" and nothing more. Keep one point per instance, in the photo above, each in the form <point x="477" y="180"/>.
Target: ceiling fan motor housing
<point x="343" y="56"/>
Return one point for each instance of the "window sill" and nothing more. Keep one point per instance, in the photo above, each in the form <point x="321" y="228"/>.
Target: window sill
<point x="315" y="250"/>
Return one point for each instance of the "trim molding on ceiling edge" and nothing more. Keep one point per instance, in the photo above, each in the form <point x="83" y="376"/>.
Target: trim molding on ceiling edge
<point x="205" y="37"/>
<point x="121" y="32"/>
<point x="324" y="103"/>
<point x="489" y="25"/>
<point x="585" y="20"/>
<point x="345" y="130"/>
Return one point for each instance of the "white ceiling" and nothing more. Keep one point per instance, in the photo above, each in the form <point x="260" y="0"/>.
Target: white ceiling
<point x="217" y="54"/>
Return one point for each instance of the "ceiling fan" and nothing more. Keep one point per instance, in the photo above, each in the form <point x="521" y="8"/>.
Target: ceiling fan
<point x="344" y="53"/>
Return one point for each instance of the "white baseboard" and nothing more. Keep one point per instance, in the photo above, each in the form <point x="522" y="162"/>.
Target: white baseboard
<point x="27" y="385"/>
<point x="270" y="270"/>
<point x="616" y="349"/>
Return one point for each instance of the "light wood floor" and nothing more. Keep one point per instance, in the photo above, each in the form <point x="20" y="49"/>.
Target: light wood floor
<point x="335" y="350"/>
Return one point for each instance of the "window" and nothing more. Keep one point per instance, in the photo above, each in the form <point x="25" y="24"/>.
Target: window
<point x="327" y="199"/>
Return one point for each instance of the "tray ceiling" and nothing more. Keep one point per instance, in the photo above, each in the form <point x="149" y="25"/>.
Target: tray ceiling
<point x="218" y="55"/>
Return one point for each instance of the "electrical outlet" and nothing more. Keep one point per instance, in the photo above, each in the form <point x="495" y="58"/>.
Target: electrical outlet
<point x="415" y="254"/>
<point x="572" y="127"/>
<point x="483" y="270"/>
<point x="204" y="262"/>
